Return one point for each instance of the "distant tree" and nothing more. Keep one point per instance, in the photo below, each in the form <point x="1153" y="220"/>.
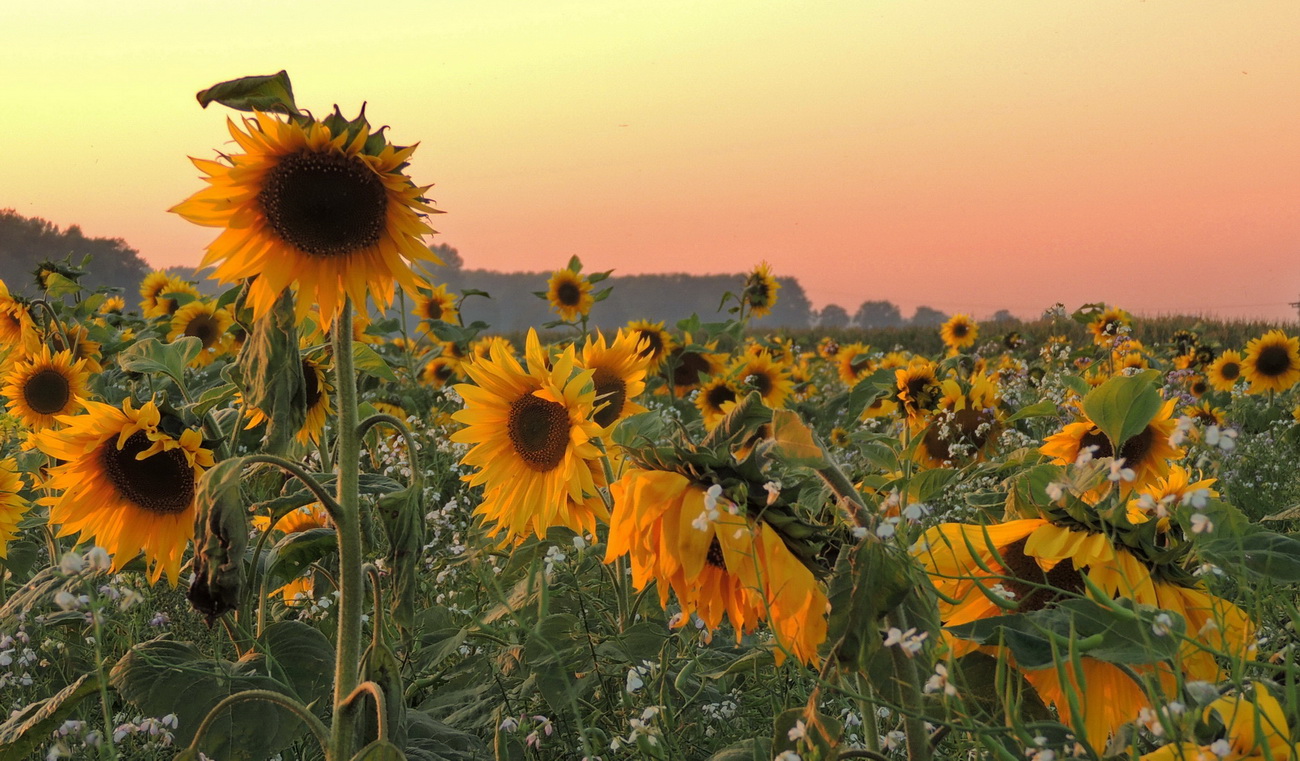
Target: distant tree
<point x="832" y="316"/>
<point x="1003" y="315"/>
<point x="878" y="314"/>
<point x="928" y="316"/>
<point x="25" y="242"/>
<point x="451" y="258"/>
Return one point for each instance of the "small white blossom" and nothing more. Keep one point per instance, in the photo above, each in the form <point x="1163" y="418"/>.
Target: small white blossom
<point x="1120" y="473"/>
<point x="1201" y="523"/>
<point x="1163" y="625"/>
<point x="798" y="731"/>
<point x="71" y="563"/>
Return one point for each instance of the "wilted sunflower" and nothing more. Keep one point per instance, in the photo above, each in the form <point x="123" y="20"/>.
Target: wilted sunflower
<point x="317" y="388"/>
<point x="1272" y="362"/>
<point x="440" y="371"/>
<point x="1110" y="324"/>
<point x="202" y="320"/>
<point x="853" y="361"/>
<point x="686" y="539"/>
<point x="12" y="505"/>
<point x="438" y="305"/>
<point x="959" y="332"/>
<point x="618" y="373"/>
<point x="1146" y="453"/>
<point x="764" y="374"/>
<point x="1225" y="371"/>
<point x="658" y="342"/>
<point x="532" y="437"/>
<point x="570" y="294"/>
<point x="125" y="484"/>
<point x="759" y="291"/>
<point x="305" y="205"/>
<point x="714" y="398"/>
<point x="45" y="385"/>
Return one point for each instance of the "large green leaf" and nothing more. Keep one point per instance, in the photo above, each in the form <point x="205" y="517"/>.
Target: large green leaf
<point x="1226" y="537"/>
<point x="294" y="554"/>
<point x="1124" y="405"/>
<point x="151" y="356"/>
<point x="301" y="657"/>
<point x="368" y="361"/>
<point x="271" y="92"/>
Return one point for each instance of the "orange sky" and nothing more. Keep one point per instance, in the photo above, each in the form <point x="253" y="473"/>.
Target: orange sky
<point x="968" y="156"/>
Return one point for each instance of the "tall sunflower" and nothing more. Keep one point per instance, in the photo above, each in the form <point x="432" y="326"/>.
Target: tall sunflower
<point x="12" y="504"/>
<point x="45" y="385"/>
<point x="759" y="291"/>
<point x="532" y="442"/>
<point x="764" y="374"/>
<point x="1272" y="362"/>
<point x="125" y="484"/>
<point x="331" y="212"/>
<point x="1147" y="453"/>
<point x="618" y="373"/>
<point x="569" y="293"/>
<point x="1225" y="371"/>
<point x="437" y="305"/>
<point x="715" y="562"/>
<point x="1109" y="324"/>
<point x="959" y="332"/>
<point x="204" y="321"/>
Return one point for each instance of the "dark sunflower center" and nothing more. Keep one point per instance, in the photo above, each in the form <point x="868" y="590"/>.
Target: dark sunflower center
<point x="433" y="311"/>
<point x="1199" y="387"/>
<point x="960" y="330"/>
<point x="1273" y="361"/>
<point x="539" y="432"/>
<point x="758" y="294"/>
<point x="162" y="483"/>
<point x="324" y="202"/>
<point x="923" y="392"/>
<point x="761" y="382"/>
<point x="689" y="366"/>
<point x="1096" y="438"/>
<point x="312" y="384"/>
<point x="1136" y="448"/>
<point x="715" y="557"/>
<point x="719" y="395"/>
<point x="205" y="329"/>
<point x="1033" y="588"/>
<point x="963" y="433"/>
<point x="654" y="343"/>
<point x="47" y="391"/>
<point x="611" y="390"/>
<point x="1230" y="371"/>
<point x="443" y="372"/>
<point x="568" y="293"/>
<point x="860" y="364"/>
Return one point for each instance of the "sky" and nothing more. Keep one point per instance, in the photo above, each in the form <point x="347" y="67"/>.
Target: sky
<point x="966" y="156"/>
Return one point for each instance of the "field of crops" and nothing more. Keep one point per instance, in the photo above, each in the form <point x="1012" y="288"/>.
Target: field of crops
<point x="283" y="524"/>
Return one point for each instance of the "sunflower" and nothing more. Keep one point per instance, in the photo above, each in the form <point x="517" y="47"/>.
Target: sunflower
<point x="966" y="424"/>
<point x="714" y="561"/>
<point x="437" y="306"/>
<point x="1109" y="324"/>
<point x="1254" y="729"/>
<point x="202" y="320"/>
<point x="1206" y="414"/>
<point x="125" y="484"/>
<point x="113" y="305"/>
<point x="618" y="372"/>
<point x="570" y="294"/>
<point x="440" y="371"/>
<point x="959" y="332"/>
<point x="304" y="518"/>
<point x="330" y="212"/>
<point x="1272" y="362"/>
<point x="82" y="347"/>
<point x="853" y="361"/>
<point x="17" y="330"/>
<point x="1164" y="495"/>
<point x="764" y="374"/>
<point x="827" y="348"/>
<point x="532" y="442"/>
<point x="1198" y="385"/>
<point x="917" y="389"/>
<point x="1147" y="453"/>
<point x="714" y="398"/>
<point x="483" y="348"/>
<point x="12" y="505"/>
<point x="317" y="388"/>
<point x="759" y="291"/>
<point x="690" y="366"/>
<point x="1225" y="371"/>
<point x="45" y="385"/>
<point x="658" y="342"/>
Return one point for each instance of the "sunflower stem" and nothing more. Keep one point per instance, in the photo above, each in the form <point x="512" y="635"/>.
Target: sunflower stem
<point x="909" y="684"/>
<point x="347" y="524"/>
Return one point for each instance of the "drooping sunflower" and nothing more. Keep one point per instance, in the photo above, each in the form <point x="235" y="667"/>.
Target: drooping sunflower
<point x="714" y="561"/>
<point x="569" y="293"/>
<point x="202" y="320"/>
<point x="657" y="341"/>
<point x="45" y="385"/>
<point x="1225" y="371"/>
<point x="12" y="504"/>
<point x="714" y="399"/>
<point x="1272" y="362"/>
<point x="1109" y="324"/>
<point x="1147" y="453"/>
<point x="618" y="372"/>
<point x="438" y="305"/>
<point x="764" y="374"/>
<point x="759" y="291"/>
<point x="320" y="407"/>
<point x="125" y="484"/>
<point x="853" y="361"/>
<point x="532" y="440"/>
<point x="305" y="205"/>
<point x="959" y="332"/>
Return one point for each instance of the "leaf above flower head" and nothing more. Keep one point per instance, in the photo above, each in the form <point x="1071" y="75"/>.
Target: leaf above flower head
<point x="272" y="92"/>
<point x="1124" y="405"/>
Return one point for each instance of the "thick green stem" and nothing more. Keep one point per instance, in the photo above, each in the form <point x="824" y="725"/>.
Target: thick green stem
<point x="909" y="684"/>
<point x="352" y="588"/>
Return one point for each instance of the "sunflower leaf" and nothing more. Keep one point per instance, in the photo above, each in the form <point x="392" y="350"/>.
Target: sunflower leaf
<point x="294" y="554"/>
<point x="31" y="727"/>
<point x="1042" y="408"/>
<point x="1124" y="405"/>
<point x="402" y="515"/>
<point x="794" y="441"/>
<point x="271" y="92"/>
<point x="152" y="356"/>
<point x="368" y="361"/>
<point x="301" y="657"/>
<point x="271" y="374"/>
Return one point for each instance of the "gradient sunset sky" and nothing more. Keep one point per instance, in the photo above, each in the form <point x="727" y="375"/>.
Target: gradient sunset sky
<point x="970" y="156"/>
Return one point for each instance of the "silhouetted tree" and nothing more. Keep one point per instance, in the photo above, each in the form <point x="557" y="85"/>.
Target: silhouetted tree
<point x="878" y="314"/>
<point x="833" y="316"/>
<point x="1003" y="315"/>
<point x="25" y="242"/>
<point x="928" y="316"/>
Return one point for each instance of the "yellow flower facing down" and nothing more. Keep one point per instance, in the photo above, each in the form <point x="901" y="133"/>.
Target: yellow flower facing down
<point x="317" y="387"/>
<point x="532" y="440"/>
<point x="1255" y="729"/>
<point x="759" y="291"/>
<point x="12" y="505"/>
<point x="714" y="562"/>
<point x="44" y="386"/>
<point x="1272" y="362"/>
<point x="618" y="372"/>
<point x="959" y="332"/>
<point x="304" y="205"/>
<point x="569" y="293"/>
<point x="125" y="484"/>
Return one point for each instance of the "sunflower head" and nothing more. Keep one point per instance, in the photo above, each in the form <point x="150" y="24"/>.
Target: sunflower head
<point x="715" y="397"/>
<point x="959" y="332"/>
<point x="46" y="385"/>
<point x="323" y="204"/>
<point x="204" y="321"/>
<point x="1272" y="362"/>
<point x="569" y="293"/>
<point x="854" y="362"/>
<point x="440" y="371"/>
<point x="690" y="363"/>
<point x="759" y="291"/>
<point x="12" y="505"/>
<point x="917" y="389"/>
<point x="618" y="372"/>
<point x="435" y="306"/>
<point x="655" y="343"/>
<point x="1109" y="324"/>
<point x="1225" y="370"/>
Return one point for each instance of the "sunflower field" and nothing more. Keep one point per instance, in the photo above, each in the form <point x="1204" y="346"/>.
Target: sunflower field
<point x="319" y="516"/>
